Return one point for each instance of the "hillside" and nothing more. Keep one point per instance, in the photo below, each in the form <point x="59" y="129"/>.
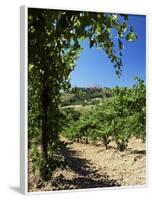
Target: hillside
<point x="85" y="96"/>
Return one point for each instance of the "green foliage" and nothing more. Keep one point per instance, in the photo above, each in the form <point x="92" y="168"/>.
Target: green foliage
<point x="118" y="118"/>
<point x="35" y="157"/>
<point x="53" y="48"/>
<point x="85" y="96"/>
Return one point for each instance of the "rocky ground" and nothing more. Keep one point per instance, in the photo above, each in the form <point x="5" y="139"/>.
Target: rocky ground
<point x="93" y="166"/>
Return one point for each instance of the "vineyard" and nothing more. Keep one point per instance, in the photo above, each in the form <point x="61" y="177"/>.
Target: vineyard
<point x="82" y="137"/>
<point x="116" y="118"/>
<point x="115" y="125"/>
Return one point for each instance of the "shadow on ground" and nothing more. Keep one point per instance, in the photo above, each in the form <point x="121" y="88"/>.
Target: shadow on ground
<point x="86" y="175"/>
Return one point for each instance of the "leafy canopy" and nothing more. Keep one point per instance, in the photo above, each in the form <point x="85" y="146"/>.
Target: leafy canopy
<point x="53" y="47"/>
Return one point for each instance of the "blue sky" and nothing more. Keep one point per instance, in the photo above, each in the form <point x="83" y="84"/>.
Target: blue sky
<point x="95" y="69"/>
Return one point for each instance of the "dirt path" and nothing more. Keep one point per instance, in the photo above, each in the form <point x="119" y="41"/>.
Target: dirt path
<point x="90" y="166"/>
<point x="127" y="167"/>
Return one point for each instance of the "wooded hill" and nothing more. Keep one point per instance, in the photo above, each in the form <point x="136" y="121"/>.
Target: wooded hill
<point x="85" y="96"/>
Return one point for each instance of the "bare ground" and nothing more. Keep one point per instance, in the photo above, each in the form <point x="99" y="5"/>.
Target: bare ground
<point x="93" y="166"/>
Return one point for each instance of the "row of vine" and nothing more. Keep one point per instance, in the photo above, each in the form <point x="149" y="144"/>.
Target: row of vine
<point x="118" y="118"/>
